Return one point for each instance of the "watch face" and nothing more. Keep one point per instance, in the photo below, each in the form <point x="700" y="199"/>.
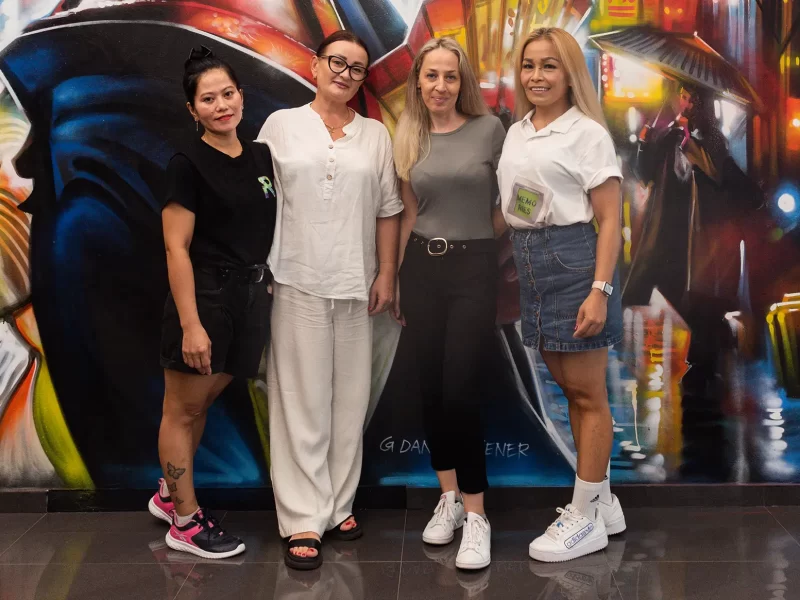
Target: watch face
<point x="607" y="289"/>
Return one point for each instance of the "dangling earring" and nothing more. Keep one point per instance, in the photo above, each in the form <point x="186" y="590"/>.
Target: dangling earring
<point x="196" y="125"/>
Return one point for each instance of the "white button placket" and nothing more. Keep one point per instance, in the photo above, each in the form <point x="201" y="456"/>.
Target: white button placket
<point x="330" y="172"/>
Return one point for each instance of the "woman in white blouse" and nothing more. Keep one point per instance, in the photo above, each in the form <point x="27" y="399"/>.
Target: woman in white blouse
<point x="334" y="263"/>
<point x="558" y="173"/>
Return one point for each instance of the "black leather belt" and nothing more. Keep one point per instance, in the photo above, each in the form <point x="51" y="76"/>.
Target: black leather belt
<point x="251" y="274"/>
<point x="440" y="246"/>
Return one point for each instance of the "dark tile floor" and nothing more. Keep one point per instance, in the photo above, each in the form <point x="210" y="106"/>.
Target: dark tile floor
<point x="666" y="554"/>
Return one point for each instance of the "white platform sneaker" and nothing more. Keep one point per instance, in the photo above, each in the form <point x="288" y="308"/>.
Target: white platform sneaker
<point x="447" y="517"/>
<point x="571" y="535"/>
<point x="476" y="543"/>
<point x="613" y="516"/>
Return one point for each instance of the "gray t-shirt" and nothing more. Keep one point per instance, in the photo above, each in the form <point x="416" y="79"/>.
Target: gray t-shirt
<point x="456" y="183"/>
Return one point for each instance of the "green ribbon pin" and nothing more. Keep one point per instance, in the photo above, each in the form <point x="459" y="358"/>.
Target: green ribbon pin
<point x="266" y="185"/>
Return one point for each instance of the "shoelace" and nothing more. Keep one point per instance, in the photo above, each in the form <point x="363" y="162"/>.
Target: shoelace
<point x="474" y="533"/>
<point x="444" y="512"/>
<point x="562" y="524"/>
<point x="208" y="523"/>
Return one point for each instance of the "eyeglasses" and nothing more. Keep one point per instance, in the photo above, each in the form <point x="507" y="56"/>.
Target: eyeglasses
<point x="339" y="66"/>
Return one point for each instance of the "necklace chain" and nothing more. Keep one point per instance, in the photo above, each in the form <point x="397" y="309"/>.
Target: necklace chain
<point x="332" y="129"/>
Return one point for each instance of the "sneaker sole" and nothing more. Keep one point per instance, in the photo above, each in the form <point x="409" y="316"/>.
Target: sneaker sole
<point x="473" y="566"/>
<point x="616" y="527"/>
<point x="440" y="541"/>
<point x="157" y="512"/>
<point x="550" y="557"/>
<point x="191" y="549"/>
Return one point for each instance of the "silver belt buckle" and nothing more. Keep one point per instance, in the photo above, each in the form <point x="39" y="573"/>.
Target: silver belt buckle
<point x="260" y="276"/>
<point x="438" y="239"/>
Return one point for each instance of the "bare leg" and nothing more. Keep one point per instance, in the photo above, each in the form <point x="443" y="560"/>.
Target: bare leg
<point x="584" y="383"/>
<point x="553" y="362"/>
<point x="473" y="503"/>
<point x="448" y="481"/>
<point x="186" y="401"/>
<point x="200" y="424"/>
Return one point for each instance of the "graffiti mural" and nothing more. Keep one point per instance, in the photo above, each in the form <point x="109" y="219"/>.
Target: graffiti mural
<point x="702" y="99"/>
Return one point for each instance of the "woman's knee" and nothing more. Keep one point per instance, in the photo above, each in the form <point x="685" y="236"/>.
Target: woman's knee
<point x="587" y="396"/>
<point x="182" y="411"/>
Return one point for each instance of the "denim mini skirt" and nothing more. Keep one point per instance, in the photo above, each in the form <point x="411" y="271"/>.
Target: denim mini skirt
<point x="555" y="266"/>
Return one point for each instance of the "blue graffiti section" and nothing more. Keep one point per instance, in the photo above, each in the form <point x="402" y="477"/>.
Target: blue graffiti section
<point x="107" y="112"/>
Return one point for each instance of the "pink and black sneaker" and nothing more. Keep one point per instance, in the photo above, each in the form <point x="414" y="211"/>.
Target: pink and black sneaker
<point x="161" y="505"/>
<point x="203" y="536"/>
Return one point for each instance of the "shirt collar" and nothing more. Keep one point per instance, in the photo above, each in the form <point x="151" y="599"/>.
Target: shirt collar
<point x="561" y="125"/>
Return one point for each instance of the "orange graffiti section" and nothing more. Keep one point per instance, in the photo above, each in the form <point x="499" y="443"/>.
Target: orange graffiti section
<point x="267" y="41"/>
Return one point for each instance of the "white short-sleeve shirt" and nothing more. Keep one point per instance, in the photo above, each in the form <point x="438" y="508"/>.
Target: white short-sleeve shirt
<point x="562" y="163"/>
<point x="329" y="197"/>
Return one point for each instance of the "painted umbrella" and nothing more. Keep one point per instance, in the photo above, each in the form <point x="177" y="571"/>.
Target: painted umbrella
<point x="681" y="56"/>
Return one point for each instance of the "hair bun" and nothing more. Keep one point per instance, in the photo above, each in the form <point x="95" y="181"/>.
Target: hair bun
<point x="196" y="55"/>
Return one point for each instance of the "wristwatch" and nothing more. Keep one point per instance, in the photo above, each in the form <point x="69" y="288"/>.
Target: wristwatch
<point x="603" y="286"/>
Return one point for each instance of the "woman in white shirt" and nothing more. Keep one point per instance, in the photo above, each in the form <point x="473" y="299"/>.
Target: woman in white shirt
<point x="334" y="263"/>
<point x="558" y="173"/>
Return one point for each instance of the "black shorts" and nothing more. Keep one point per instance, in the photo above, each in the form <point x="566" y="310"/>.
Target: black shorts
<point x="235" y="315"/>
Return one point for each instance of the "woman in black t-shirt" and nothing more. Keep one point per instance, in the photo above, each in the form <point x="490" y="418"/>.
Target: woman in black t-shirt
<point x="219" y="219"/>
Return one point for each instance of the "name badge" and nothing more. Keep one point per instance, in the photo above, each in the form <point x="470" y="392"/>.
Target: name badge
<point x="528" y="201"/>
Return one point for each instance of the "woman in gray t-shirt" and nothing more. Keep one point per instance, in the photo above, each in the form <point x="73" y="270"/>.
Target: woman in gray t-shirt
<point x="446" y="151"/>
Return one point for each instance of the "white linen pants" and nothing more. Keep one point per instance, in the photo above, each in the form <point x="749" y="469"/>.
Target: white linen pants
<point x="318" y="380"/>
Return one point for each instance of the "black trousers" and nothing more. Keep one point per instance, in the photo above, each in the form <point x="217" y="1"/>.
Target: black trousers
<point x="450" y="306"/>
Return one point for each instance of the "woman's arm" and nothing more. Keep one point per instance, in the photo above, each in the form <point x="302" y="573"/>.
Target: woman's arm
<point x="387" y="234"/>
<point x="407" y="220"/>
<point x="606" y="203"/>
<point x="178" y="223"/>
<point x="408" y="217"/>
<point x="499" y="224"/>
<point x="498" y="221"/>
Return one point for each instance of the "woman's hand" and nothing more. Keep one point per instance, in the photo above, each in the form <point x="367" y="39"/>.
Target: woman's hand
<point x="381" y="296"/>
<point x="197" y="348"/>
<point x="591" y="315"/>
<point x="397" y="314"/>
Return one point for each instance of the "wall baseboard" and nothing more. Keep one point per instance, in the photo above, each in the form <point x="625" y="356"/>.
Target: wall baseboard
<point x="399" y="497"/>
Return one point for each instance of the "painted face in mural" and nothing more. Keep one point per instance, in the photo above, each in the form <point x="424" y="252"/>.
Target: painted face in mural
<point x="217" y="103"/>
<point x="338" y="87"/>
<point x="684" y="101"/>
<point x="440" y="81"/>
<point x="543" y="75"/>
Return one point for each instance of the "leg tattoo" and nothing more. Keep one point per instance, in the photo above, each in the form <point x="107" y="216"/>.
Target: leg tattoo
<point x="174" y="472"/>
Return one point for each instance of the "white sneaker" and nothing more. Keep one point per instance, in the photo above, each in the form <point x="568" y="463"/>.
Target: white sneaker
<point x="613" y="516"/>
<point x="571" y="535"/>
<point x="447" y="517"/>
<point x="476" y="543"/>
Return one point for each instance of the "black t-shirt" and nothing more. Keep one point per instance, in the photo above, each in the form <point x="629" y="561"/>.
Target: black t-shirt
<point x="233" y="199"/>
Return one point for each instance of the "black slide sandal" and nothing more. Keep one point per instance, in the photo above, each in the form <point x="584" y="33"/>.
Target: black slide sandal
<point x="308" y="563"/>
<point x="338" y="533"/>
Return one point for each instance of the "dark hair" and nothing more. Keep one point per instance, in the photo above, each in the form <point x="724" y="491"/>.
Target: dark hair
<point x="687" y="87"/>
<point x="197" y="64"/>
<point x="342" y="36"/>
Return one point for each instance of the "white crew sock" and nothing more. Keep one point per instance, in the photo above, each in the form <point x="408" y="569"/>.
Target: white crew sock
<point x="585" y="497"/>
<point x="605" y="493"/>
<point x="181" y="521"/>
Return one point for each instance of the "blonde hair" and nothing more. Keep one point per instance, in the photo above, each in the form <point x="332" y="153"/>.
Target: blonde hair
<point x="412" y="136"/>
<point x="581" y="91"/>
